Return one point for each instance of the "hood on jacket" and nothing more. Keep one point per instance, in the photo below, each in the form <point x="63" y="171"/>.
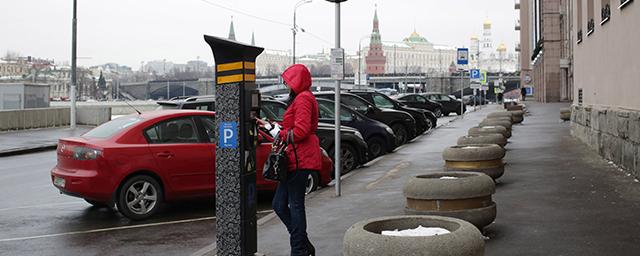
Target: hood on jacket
<point x="297" y="77"/>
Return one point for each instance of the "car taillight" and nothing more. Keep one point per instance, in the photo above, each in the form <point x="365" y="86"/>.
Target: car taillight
<point x="84" y="153"/>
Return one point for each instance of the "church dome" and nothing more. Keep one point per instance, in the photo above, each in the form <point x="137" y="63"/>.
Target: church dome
<point x="415" y="38"/>
<point x="502" y="48"/>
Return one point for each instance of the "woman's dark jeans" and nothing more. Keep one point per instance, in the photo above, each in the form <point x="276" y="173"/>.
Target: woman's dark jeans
<point x="288" y="203"/>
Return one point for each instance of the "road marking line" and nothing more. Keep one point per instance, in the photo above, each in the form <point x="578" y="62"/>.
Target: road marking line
<point x="37" y="206"/>
<point x="390" y="173"/>
<point x="114" y="228"/>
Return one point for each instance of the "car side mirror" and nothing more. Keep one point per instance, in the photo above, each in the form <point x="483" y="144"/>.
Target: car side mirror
<point x="370" y="109"/>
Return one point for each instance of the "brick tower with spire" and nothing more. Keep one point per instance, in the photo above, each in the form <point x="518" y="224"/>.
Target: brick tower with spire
<point x="375" y="57"/>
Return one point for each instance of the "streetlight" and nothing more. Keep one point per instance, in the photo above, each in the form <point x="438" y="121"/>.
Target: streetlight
<point x="338" y="163"/>
<point x="360" y="57"/>
<point x="74" y="33"/>
<point x="295" y="27"/>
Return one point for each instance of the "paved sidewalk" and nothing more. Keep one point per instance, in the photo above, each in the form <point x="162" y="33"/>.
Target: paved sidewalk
<point x="25" y="141"/>
<point x="556" y="197"/>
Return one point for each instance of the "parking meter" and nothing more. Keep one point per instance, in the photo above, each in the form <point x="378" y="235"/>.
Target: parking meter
<point x="237" y="106"/>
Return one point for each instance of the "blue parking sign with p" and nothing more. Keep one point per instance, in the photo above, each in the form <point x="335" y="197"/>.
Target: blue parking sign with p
<point x="228" y="135"/>
<point x="475" y="74"/>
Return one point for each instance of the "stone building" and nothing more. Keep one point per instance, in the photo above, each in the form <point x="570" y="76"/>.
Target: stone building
<point x="606" y="62"/>
<point x="414" y="54"/>
<point x="546" y="51"/>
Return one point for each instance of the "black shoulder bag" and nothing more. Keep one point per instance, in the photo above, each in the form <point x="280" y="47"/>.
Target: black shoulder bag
<point x="276" y="165"/>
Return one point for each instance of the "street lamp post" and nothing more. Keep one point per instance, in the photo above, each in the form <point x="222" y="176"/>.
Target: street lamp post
<point x="295" y="27"/>
<point x="74" y="32"/>
<point x="337" y="155"/>
<point x="360" y="58"/>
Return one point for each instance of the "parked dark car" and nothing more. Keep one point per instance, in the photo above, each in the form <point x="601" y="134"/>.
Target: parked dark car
<point x="205" y="102"/>
<point x="415" y="100"/>
<point x="402" y="123"/>
<point x="353" y="146"/>
<point x="379" y="136"/>
<point x="425" y="119"/>
<point x="449" y="104"/>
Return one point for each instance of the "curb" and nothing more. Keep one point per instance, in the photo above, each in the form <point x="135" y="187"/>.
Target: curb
<point x="26" y="150"/>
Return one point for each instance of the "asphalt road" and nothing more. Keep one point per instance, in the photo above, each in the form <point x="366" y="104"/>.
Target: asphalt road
<point x="35" y="219"/>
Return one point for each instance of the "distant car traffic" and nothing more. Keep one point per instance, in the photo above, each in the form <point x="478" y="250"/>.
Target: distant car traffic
<point x="402" y="123"/>
<point x="416" y="100"/>
<point x="449" y="104"/>
<point x="379" y="137"/>
<point x="138" y="162"/>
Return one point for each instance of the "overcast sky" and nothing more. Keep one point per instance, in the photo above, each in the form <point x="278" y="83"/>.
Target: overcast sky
<point x="131" y="31"/>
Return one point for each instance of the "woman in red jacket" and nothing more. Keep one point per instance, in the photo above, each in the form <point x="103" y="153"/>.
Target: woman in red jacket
<point x="301" y="118"/>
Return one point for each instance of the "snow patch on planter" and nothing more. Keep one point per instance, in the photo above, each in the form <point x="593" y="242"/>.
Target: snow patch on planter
<point x="448" y="178"/>
<point x="419" y="231"/>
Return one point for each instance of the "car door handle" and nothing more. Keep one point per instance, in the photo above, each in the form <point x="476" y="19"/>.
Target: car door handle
<point x="165" y="154"/>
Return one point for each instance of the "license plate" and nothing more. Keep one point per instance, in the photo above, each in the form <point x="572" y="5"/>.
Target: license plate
<point x="58" y="182"/>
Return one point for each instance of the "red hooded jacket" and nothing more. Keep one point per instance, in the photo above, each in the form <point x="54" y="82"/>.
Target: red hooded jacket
<point x="302" y="117"/>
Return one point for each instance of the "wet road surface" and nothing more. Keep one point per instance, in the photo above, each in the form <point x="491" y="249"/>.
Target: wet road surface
<point x="35" y="219"/>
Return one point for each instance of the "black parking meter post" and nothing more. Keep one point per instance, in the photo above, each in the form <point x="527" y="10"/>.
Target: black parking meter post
<point x="237" y="106"/>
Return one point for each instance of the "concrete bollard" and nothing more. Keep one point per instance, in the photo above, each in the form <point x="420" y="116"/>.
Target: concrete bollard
<point x="462" y="195"/>
<point x="365" y="238"/>
<point x="565" y="114"/>
<point x="497" y="122"/>
<point x="499" y="114"/>
<point x="485" y="158"/>
<point x="490" y="138"/>
<point x="518" y="116"/>
<point x="479" y="130"/>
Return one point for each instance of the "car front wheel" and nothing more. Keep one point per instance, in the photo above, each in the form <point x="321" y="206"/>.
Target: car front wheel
<point x="376" y="147"/>
<point x="401" y="134"/>
<point x="139" y="197"/>
<point x="348" y="158"/>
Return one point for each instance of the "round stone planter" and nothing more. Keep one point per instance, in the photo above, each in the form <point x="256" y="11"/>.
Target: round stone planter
<point x="518" y="116"/>
<point x="485" y="158"/>
<point x="497" y="122"/>
<point x="462" y="195"/>
<point x="490" y="138"/>
<point x="508" y="114"/>
<point x="365" y="238"/>
<point x="480" y="130"/>
<point x="515" y="107"/>
<point x="565" y="114"/>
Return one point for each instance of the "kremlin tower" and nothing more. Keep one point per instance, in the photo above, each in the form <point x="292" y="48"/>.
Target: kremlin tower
<point x="375" y="57"/>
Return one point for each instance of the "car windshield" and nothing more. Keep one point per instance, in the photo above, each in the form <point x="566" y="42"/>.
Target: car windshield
<point x="112" y="127"/>
<point x="167" y="106"/>
<point x="382" y="102"/>
<point x="326" y="110"/>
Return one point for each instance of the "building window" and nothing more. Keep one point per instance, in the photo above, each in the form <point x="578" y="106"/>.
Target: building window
<point x="605" y="12"/>
<point x="591" y="24"/>
<point x="624" y="3"/>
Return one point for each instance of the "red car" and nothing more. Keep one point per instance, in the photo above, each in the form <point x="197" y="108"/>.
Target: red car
<point x="137" y="162"/>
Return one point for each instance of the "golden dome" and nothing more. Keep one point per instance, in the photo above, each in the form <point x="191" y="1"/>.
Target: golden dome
<point x="487" y="22"/>
<point x="474" y="38"/>
<point x="502" y="47"/>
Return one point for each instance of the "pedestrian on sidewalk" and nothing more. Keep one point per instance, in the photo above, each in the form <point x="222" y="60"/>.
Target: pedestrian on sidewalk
<point x="523" y="92"/>
<point x="304" y="155"/>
